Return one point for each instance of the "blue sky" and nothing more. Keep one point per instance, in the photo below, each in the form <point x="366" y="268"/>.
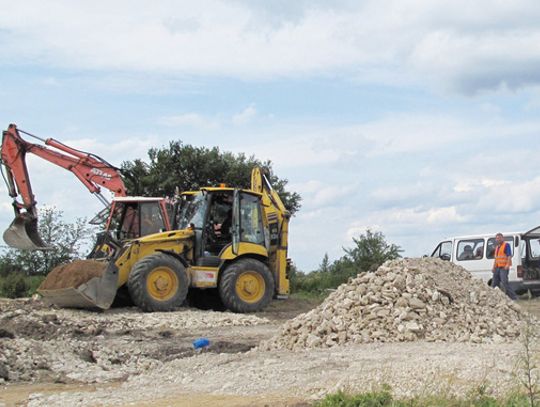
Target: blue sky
<point x="418" y="120"/>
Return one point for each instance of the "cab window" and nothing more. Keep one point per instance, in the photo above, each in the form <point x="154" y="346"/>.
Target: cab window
<point x="534" y="248"/>
<point x="491" y="243"/>
<point x="151" y="218"/>
<point x="193" y="212"/>
<point x="470" y="249"/>
<point x="251" y="225"/>
<point x="128" y="225"/>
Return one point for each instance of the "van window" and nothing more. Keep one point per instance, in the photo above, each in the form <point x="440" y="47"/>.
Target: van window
<point x="491" y="243"/>
<point x="443" y="251"/>
<point x="470" y="249"/>
<point x="534" y="247"/>
<point x="446" y="250"/>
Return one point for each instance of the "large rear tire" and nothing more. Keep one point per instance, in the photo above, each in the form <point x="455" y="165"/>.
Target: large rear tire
<point x="158" y="283"/>
<point x="246" y="286"/>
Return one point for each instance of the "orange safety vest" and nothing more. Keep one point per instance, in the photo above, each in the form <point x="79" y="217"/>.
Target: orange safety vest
<point x="501" y="259"/>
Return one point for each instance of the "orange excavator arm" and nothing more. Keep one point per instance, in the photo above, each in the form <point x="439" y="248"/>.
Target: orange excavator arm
<point x="94" y="172"/>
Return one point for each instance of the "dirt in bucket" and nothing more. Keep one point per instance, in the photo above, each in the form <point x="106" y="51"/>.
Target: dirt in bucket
<point x="72" y="274"/>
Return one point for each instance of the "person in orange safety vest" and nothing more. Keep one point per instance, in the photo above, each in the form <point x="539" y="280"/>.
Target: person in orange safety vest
<point x="501" y="266"/>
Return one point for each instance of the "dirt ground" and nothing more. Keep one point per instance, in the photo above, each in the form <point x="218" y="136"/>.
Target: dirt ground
<point x="120" y="357"/>
<point x="155" y="339"/>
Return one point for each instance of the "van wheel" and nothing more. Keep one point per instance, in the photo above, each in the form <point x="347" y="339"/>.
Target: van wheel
<point x="158" y="283"/>
<point x="246" y="286"/>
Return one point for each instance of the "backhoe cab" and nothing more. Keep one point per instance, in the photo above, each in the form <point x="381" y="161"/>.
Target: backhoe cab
<point x="129" y="218"/>
<point x="232" y="240"/>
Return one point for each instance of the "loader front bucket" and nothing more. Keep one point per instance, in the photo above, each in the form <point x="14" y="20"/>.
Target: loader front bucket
<point x="23" y="234"/>
<point x="81" y="284"/>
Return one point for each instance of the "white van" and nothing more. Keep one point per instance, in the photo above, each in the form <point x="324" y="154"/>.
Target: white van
<point x="475" y="254"/>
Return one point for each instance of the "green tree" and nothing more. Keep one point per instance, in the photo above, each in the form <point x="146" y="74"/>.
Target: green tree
<point x="187" y="167"/>
<point x="324" y="267"/>
<point x="68" y="240"/>
<point x="371" y="251"/>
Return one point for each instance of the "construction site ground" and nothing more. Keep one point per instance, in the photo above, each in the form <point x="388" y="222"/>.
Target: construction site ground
<point x="123" y="356"/>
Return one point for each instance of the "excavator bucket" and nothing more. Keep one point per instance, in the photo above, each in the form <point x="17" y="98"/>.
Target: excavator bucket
<point x="81" y="284"/>
<point x="23" y="234"/>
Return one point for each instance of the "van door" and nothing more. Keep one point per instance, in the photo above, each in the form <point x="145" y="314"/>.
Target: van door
<point x="470" y="253"/>
<point x="531" y="257"/>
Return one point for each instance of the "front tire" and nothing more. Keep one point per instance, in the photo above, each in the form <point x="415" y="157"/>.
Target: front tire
<point x="246" y="286"/>
<point x="158" y="283"/>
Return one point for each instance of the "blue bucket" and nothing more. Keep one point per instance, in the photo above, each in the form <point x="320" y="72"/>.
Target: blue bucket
<point x="201" y="343"/>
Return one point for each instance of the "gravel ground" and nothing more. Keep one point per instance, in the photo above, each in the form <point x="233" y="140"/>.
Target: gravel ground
<point x="409" y="368"/>
<point x="42" y="344"/>
<point x="125" y="357"/>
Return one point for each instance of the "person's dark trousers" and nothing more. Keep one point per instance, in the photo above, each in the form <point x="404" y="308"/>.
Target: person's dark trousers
<point x="500" y="278"/>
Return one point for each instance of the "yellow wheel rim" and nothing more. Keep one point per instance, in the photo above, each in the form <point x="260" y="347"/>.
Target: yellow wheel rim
<point x="250" y="287"/>
<point x="162" y="283"/>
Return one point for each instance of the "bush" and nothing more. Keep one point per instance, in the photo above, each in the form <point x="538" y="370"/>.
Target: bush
<point x="33" y="283"/>
<point x="375" y="399"/>
<point x="369" y="252"/>
<point x="384" y="398"/>
<point x="14" y="285"/>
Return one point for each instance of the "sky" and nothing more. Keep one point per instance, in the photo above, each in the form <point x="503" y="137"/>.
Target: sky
<point x="417" y="119"/>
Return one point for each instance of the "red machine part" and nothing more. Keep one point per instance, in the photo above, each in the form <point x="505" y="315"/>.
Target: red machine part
<point x="94" y="172"/>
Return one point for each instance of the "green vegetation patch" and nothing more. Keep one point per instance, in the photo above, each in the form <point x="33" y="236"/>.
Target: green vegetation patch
<point x="17" y="285"/>
<point x="384" y="398"/>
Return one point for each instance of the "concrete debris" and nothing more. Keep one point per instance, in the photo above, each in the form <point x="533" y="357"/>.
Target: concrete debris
<point x="405" y="300"/>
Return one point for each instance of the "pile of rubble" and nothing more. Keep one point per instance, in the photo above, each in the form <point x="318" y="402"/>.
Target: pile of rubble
<point x="405" y="300"/>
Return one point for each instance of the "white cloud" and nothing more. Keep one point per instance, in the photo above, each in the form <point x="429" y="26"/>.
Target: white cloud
<point x="356" y="230"/>
<point x="444" y="215"/>
<point x="194" y="120"/>
<point x="289" y="149"/>
<point x="317" y="193"/>
<point x="116" y="151"/>
<point x="459" y="45"/>
<point x="512" y="196"/>
<point x="416" y="216"/>
<point x="244" y="116"/>
<point x="471" y="185"/>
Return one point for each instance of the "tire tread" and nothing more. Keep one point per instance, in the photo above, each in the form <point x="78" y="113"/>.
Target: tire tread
<point x="137" y="283"/>
<point x="227" y="286"/>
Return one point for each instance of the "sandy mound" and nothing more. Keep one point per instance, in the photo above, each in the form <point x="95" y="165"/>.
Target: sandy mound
<point x="72" y="274"/>
<point x="405" y="300"/>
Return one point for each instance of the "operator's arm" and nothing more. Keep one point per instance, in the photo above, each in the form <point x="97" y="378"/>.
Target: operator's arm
<point x="508" y="253"/>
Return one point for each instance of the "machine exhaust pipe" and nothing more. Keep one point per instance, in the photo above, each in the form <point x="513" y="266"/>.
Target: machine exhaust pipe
<point x="23" y="234"/>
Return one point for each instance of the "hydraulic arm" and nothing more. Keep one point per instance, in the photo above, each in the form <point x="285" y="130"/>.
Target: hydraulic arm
<point x="94" y="172"/>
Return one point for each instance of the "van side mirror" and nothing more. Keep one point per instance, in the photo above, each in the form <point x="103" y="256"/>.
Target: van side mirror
<point x="445" y="257"/>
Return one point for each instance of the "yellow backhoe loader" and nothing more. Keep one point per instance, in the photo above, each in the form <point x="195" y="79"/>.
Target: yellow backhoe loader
<point x="231" y="239"/>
